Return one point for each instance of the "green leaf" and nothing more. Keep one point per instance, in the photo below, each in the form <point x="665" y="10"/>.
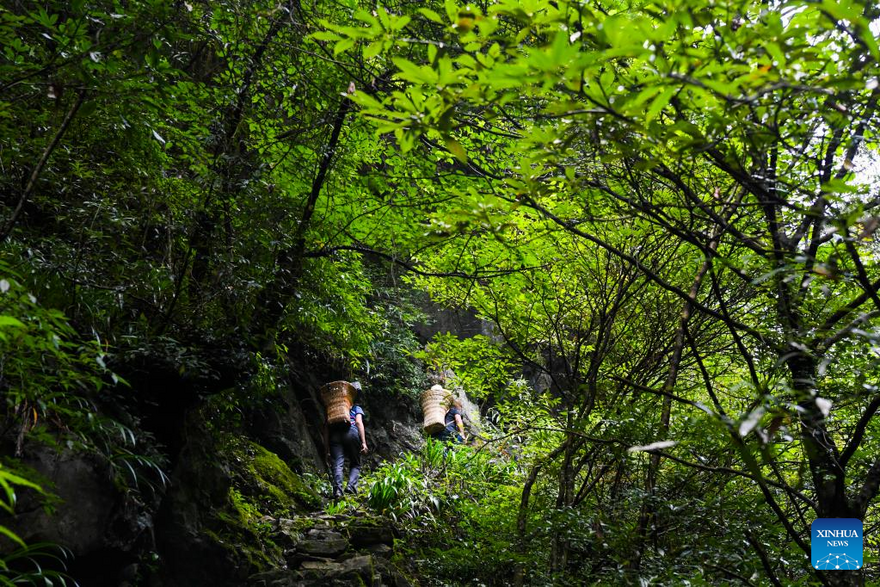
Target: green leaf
<point x="867" y="37"/>
<point x="325" y="36"/>
<point x="12" y="536"/>
<point x="400" y="22"/>
<point x="659" y="103"/>
<point x="431" y="15"/>
<point x="606" y="80"/>
<point x="451" y="8"/>
<point x="414" y="73"/>
<point x="88" y="108"/>
<point x="343" y="46"/>
<point x="384" y="18"/>
<point x="456" y="149"/>
<point x="373" y="49"/>
<point x="10" y="321"/>
<point x="775" y="52"/>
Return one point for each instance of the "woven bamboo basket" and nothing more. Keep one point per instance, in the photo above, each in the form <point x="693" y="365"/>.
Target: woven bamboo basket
<point x="338" y="398"/>
<point x="435" y="403"/>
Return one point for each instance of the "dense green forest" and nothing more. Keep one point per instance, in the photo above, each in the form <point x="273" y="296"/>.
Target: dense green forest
<point x="660" y="215"/>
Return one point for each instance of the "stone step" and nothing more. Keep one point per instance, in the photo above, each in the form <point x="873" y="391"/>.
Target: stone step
<point x="364" y="535"/>
<point x="358" y="567"/>
<point x="380" y="551"/>
<point x="324" y="534"/>
<point x="327" y="548"/>
<point x="341" y="550"/>
<point x="294" y="558"/>
<point x="276" y="578"/>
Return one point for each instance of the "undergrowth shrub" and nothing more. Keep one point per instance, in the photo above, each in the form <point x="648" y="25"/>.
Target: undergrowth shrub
<point x="457" y="506"/>
<point x="52" y="382"/>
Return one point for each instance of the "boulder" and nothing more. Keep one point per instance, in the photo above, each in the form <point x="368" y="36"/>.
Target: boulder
<point x="105" y="529"/>
<point x="389" y="575"/>
<point x="200" y="484"/>
<point x="81" y="520"/>
<point x="324" y="534"/>
<point x="288" y="431"/>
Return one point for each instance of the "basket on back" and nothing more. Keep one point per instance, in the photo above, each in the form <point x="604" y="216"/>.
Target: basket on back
<point x="435" y="403"/>
<point x="338" y="398"/>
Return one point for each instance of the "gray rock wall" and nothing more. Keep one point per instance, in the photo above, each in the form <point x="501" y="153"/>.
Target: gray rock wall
<point x="461" y="323"/>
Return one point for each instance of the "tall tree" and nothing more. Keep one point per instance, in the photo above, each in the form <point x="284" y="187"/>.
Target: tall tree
<point x="741" y="131"/>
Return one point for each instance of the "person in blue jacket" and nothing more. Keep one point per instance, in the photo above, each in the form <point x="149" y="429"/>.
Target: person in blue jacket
<point x="347" y="440"/>
<point x="454" y="431"/>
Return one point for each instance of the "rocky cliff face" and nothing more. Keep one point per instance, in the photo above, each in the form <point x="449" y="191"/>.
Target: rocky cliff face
<point x="218" y="502"/>
<point x="292" y="427"/>
<point x="98" y="524"/>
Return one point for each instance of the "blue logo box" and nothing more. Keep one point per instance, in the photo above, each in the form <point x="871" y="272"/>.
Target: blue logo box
<point x="836" y="544"/>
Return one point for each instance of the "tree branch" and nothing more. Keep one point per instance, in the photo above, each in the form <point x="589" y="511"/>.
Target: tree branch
<point x="859" y="432"/>
<point x="38" y="168"/>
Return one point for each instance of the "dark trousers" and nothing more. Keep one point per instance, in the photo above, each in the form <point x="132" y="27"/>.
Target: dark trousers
<point x="449" y="436"/>
<point x="345" y="444"/>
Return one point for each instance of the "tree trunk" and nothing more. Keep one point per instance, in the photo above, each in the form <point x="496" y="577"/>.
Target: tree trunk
<point x="38" y="168"/>
<point x="523" y="513"/>
<point x="829" y="476"/>
<point x="274" y="297"/>
<point x="648" y="511"/>
<point x="559" y="551"/>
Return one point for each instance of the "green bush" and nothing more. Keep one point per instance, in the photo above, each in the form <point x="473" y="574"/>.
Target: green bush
<point x="457" y="506"/>
<point x="52" y="381"/>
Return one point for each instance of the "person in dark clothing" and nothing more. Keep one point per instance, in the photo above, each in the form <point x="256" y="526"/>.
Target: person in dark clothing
<point x="454" y="431"/>
<point x="349" y="441"/>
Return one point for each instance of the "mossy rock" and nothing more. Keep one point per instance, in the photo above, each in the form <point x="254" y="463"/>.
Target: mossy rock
<point x="236" y="527"/>
<point x="245" y="550"/>
<point x="281" y="482"/>
<point x="272" y="486"/>
<point x="263" y="489"/>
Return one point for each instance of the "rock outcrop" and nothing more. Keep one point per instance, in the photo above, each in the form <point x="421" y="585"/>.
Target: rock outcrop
<point x="104" y="527"/>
